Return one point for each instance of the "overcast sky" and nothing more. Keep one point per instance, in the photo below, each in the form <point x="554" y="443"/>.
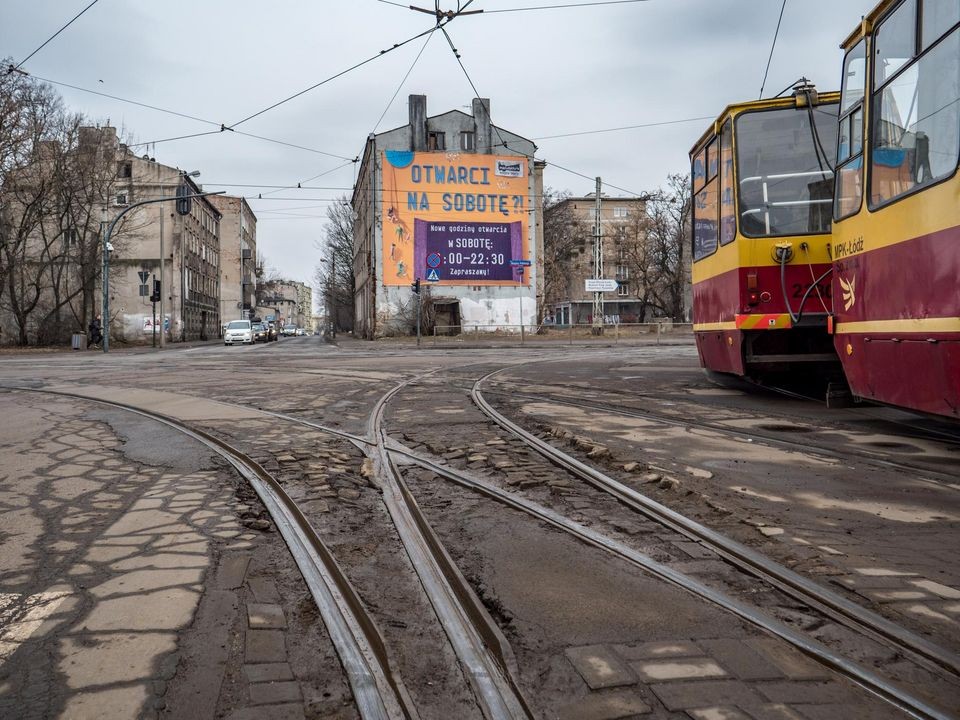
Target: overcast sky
<point x="547" y="72"/>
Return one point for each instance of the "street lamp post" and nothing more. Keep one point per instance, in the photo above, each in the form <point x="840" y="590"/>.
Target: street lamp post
<point x="107" y="248"/>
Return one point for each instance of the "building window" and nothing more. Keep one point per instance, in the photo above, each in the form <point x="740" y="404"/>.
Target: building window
<point x="121" y="198"/>
<point x="620" y="212"/>
<point x="436" y="141"/>
<point x="623" y="290"/>
<point x="126" y="170"/>
<point x="623" y="272"/>
<point x="468" y="141"/>
<point x="70" y="236"/>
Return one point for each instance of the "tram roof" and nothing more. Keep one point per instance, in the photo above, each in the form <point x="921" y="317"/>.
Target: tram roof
<point x="749" y="105"/>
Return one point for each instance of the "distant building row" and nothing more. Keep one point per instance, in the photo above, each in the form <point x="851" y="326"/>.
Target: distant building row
<point x="205" y="261"/>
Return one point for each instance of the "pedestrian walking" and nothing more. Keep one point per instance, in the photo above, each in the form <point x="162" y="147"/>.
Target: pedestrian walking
<point x="96" y="332"/>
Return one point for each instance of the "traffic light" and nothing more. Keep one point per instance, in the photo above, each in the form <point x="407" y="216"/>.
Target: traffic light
<point x="184" y="203"/>
<point x="155" y="296"/>
<point x="415" y="286"/>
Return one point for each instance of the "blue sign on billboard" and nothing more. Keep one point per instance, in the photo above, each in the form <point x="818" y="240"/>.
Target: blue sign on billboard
<point x="481" y="251"/>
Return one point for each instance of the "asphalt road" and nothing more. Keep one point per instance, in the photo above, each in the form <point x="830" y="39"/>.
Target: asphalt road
<point x="140" y="574"/>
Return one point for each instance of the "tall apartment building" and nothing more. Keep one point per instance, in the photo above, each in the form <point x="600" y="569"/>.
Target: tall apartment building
<point x="454" y="202"/>
<point x="238" y="255"/>
<point x="189" y="246"/>
<point x="625" y="259"/>
<point x="61" y="254"/>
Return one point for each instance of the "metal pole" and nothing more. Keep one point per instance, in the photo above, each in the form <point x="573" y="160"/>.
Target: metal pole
<point x="163" y="287"/>
<point x="521" y="304"/>
<point x="154" y="305"/>
<point x="105" y="315"/>
<point x="598" y="318"/>
<point x="419" y="302"/>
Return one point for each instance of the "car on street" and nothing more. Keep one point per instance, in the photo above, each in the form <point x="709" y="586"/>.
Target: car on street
<point x="260" y="333"/>
<point x="271" y="331"/>
<point x="289" y="329"/>
<point x="238" y="331"/>
<point x="301" y="331"/>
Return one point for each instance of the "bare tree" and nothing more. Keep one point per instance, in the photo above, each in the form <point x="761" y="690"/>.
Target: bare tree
<point x="30" y="116"/>
<point x="669" y="225"/>
<point x="632" y="245"/>
<point x="56" y="177"/>
<point x="334" y="275"/>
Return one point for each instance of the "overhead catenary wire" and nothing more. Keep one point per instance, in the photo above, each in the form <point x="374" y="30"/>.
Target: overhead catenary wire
<point x="625" y="127"/>
<point x="187" y="116"/>
<point x="47" y="41"/>
<point x="360" y="64"/>
<point x="402" y="82"/>
<point x="564" y="6"/>
<point x="772" y="46"/>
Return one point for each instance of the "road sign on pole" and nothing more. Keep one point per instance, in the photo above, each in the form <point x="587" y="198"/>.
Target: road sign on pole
<point x="521" y="263"/>
<point x="144" y="274"/>
<point x="600" y="285"/>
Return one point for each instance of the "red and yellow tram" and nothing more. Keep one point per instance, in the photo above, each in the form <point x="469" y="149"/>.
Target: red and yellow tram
<point x="762" y="190"/>
<point x="896" y="229"/>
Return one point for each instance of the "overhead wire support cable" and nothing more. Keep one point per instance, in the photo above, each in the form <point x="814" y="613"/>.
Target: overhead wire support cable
<point x="402" y="82"/>
<point x="177" y="114"/>
<point x="125" y="100"/>
<point x="624" y="127"/>
<point x="75" y="17"/>
<point x="333" y="77"/>
<point x="772" y="46"/>
<point x="560" y="7"/>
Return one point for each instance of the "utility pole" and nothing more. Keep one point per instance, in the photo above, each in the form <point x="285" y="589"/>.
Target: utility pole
<point x="597" y="265"/>
<point x="163" y="285"/>
<point x="333" y="296"/>
<point x="105" y="313"/>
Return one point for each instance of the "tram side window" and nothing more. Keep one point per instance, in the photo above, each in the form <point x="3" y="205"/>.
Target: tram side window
<point x="916" y="127"/>
<point x="705" y="202"/>
<point x="728" y="216"/>
<point x="849" y="179"/>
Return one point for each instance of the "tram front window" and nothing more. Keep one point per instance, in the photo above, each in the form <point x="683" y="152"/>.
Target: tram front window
<point x="785" y="169"/>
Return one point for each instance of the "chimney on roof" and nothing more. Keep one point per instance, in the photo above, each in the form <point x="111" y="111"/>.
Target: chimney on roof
<point x="481" y="123"/>
<point x="418" y="122"/>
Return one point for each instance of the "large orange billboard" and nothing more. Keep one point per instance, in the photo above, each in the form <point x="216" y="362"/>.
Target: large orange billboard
<point x="454" y="219"/>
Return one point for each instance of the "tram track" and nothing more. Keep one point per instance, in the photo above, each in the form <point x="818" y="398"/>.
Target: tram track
<point x="485" y="656"/>
<point x="378" y="691"/>
<point x="937" y="477"/>
<point x="834" y="661"/>
<point x="796" y="585"/>
<point x="491" y="676"/>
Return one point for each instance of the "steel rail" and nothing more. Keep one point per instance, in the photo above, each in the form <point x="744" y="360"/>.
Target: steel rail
<point x="481" y="648"/>
<point x="377" y="689"/>
<point x="870" y="681"/>
<point x="945" y="480"/>
<point x="791" y="582"/>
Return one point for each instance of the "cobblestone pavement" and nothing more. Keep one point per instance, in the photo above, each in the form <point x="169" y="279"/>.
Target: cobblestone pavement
<point x="111" y="544"/>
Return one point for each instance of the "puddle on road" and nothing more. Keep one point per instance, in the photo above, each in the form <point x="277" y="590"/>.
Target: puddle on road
<point x="888" y="511"/>
<point x="711" y="445"/>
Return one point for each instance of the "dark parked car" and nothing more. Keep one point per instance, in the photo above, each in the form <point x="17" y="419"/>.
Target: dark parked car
<point x="260" y="332"/>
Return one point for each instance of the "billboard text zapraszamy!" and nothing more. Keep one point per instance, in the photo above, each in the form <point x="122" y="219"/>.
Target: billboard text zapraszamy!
<point x="454" y="219"/>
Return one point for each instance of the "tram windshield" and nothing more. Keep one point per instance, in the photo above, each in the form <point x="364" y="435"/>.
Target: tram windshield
<point x="785" y="170"/>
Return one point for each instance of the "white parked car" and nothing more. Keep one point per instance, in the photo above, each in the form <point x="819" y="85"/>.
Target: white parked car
<point x="238" y="331"/>
<point x="301" y="331"/>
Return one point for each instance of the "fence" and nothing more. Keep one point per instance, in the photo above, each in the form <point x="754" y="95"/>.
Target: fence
<point x="652" y="333"/>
